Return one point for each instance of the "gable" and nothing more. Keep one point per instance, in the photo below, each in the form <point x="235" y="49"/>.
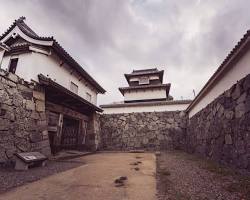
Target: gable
<point x="25" y="34"/>
<point x="17" y="32"/>
<point x="11" y="42"/>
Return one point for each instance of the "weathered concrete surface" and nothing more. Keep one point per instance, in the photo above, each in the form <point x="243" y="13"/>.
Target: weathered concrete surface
<point x="95" y="180"/>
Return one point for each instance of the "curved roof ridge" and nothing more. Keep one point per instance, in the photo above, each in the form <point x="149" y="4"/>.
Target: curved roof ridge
<point x="25" y="28"/>
<point x="145" y="70"/>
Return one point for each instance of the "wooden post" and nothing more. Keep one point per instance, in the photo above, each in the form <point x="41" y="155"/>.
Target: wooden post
<point x="60" y="125"/>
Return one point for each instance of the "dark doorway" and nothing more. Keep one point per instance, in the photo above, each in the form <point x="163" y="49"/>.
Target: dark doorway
<point x="13" y="65"/>
<point x="70" y="133"/>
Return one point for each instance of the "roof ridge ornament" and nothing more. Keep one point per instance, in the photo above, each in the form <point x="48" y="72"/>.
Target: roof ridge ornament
<point x="20" y="19"/>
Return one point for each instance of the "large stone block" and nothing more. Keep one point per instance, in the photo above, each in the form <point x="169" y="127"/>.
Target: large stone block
<point x="4" y="124"/>
<point x="246" y="83"/>
<point x="228" y="139"/>
<point x="30" y="105"/>
<point x="27" y="95"/>
<point x="39" y="95"/>
<point x="11" y="91"/>
<point x="237" y="92"/>
<point x="17" y="100"/>
<point x="34" y="114"/>
<point x="13" y="77"/>
<point x="242" y="98"/>
<point x="229" y="114"/>
<point x="240" y="110"/>
<point x="46" y="151"/>
<point x="36" y="137"/>
<point x="40" y="106"/>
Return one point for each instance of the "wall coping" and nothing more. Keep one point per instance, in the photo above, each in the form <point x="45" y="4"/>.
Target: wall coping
<point x="152" y="103"/>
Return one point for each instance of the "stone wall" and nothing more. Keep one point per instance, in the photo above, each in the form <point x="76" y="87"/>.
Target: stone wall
<point x="221" y="131"/>
<point x="93" y="137"/>
<point x="149" y="130"/>
<point x="23" y="125"/>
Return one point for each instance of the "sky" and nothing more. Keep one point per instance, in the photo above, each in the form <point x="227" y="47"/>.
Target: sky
<point x="188" y="39"/>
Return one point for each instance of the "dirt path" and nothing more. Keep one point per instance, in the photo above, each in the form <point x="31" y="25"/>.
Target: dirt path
<point x="182" y="176"/>
<point x="95" y="180"/>
<point x="10" y="178"/>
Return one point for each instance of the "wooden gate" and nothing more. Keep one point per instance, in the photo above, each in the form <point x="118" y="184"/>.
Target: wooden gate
<point x="54" y="129"/>
<point x="70" y="133"/>
<point x="67" y="128"/>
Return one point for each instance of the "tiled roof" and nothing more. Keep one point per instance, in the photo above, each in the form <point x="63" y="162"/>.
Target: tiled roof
<point x="144" y="72"/>
<point x="79" y="102"/>
<point x="25" y="28"/>
<point x="18" y="48"/>
<point x="167" y="86"/>
<point x="56" y="46"/>
<point x="240" y="48"/>
<point x="4" y="46"/>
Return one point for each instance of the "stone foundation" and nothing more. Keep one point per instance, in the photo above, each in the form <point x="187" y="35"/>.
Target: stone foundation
<point x="93" y="137"/>
<point x="150" y="131"/>
<point x="221" y="131"/>
<point x="23" y="125"/>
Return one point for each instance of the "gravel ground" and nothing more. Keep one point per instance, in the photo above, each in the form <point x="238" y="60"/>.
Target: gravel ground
<point x="182" y="176"/>
<point x="9" y="178"/>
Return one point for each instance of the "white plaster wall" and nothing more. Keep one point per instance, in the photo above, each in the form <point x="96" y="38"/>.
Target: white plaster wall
<point x="31" y="64"/>
<point x="152" y="77"/>
<point x="160" y="108"/>
<point x="237" y="72"/>
<point x="144" y="94"/>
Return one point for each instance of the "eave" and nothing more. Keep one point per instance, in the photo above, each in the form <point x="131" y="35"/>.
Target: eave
<point x="61" y="95"/>
<point x="4" y="46"/>
<point x="145" y="87"/>
<point x="24" y="48"/>
<point x="160" y="73"/>
<point x="152" y="103"/>
<point x="65" y="56"/>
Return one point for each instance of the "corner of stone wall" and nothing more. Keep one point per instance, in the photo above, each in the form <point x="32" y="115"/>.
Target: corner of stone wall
<point x="23" y="125"/>
<point x="221" y="131"/>
<point x="93" y="138"/>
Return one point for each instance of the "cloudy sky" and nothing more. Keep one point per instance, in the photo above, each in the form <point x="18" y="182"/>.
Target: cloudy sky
<point x="186" y="38"/>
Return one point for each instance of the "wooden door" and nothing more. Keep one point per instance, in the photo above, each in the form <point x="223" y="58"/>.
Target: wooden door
<point x="54" y="130"/>
<point x="70" y="133"/>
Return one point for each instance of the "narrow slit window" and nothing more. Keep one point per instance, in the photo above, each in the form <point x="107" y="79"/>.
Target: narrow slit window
<point x="13" y="65"/>
<point x="74" y="87"/>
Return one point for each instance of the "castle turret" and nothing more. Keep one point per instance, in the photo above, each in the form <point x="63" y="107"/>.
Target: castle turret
<point x="145" y="85"/>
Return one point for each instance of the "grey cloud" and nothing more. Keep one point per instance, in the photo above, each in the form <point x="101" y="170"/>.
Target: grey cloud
<point x="189" y="39"/>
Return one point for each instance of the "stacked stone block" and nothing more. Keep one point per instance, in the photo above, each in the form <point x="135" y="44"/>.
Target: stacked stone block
<point x="148" y="130"/>
<point x="221" y="131"/>
<point x="23" y="125"/>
